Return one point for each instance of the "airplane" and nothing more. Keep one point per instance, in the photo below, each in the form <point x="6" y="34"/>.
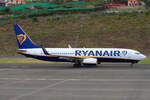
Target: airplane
<point x="79" y="56"/>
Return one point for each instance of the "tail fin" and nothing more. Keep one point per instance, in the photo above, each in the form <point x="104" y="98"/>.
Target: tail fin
<point x="23" y="39"/>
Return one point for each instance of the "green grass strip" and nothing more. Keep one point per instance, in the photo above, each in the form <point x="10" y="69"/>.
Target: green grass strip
<point x="34" y="61"/>
<point x="26" y="61"/>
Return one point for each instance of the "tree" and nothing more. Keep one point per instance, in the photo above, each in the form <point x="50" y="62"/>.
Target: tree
<point x="147" y="2"/>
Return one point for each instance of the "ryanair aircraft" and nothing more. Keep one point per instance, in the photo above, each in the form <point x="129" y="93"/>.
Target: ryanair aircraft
<point x="80" y="56"/>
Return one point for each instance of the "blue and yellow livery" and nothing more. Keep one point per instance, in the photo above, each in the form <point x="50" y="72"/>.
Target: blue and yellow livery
<point x="80" y="56"/>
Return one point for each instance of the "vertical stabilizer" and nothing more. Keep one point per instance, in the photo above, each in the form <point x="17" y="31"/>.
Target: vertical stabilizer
<point x="23" y="39"/>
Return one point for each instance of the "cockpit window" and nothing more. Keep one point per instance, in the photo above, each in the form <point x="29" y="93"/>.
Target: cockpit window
<point x="137" y="53"/>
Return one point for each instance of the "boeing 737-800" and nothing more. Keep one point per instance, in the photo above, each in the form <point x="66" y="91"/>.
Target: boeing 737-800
<point x="80" y="56"/>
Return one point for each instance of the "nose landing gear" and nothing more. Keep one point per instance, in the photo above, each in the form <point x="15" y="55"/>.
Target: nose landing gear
<point x="132" y="64"/>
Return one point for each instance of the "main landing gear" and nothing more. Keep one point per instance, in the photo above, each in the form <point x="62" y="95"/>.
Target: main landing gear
<point x="77" y="64"/>
<point x="131" y="65"/>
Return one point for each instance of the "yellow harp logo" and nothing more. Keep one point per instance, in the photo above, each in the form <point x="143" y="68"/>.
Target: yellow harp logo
<point x="21" y="38"/>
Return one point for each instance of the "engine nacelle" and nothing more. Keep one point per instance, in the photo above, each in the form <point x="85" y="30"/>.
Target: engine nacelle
<point x="89" y="61"/>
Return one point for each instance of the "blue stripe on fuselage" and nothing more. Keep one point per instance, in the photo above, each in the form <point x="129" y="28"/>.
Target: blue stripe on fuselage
<point x="57" y="59"/>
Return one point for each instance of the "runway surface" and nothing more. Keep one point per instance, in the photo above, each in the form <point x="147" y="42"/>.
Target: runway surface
<point x="63" y="82"/>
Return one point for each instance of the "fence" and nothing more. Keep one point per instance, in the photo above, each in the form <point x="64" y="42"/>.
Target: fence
<point x="43" y="8"/>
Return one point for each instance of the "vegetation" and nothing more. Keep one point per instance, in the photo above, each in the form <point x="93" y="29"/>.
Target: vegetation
<point x="127" y="9"/>
<point x="25" y="61"/>
<point x="147" y="2"/>
<point x="146" y="61"/>
<point x="81" y="30"/>
<point x="35" y="9"/>
<point x="40" y="9"/>
<point x="34" y="61"/>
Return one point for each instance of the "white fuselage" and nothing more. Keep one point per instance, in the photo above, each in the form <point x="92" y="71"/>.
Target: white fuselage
<point x="80" y="56"/>
<point x="83" y="53"/>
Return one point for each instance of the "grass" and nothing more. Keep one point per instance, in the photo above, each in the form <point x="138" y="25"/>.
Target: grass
<point x="145" y="61"/>
<point x="92" y="30"/>
<point x="26" y="61"/>
<point x="34" y="61"/>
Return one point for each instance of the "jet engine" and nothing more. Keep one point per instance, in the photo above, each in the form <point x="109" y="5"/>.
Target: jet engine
<point x="90" y="61"/>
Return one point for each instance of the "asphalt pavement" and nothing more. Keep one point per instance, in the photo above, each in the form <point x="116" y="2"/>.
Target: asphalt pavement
<point x="64" y="82"/>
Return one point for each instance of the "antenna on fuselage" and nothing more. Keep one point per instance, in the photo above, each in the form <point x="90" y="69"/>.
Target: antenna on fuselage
<point x="69" y="46"/>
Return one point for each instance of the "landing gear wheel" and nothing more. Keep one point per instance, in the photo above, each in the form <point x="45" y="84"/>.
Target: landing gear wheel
<point x="77" y="65"/>
<point x="132" y="64"/>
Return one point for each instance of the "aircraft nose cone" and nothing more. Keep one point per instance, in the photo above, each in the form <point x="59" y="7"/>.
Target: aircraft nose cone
<point x="143" y="56"/>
